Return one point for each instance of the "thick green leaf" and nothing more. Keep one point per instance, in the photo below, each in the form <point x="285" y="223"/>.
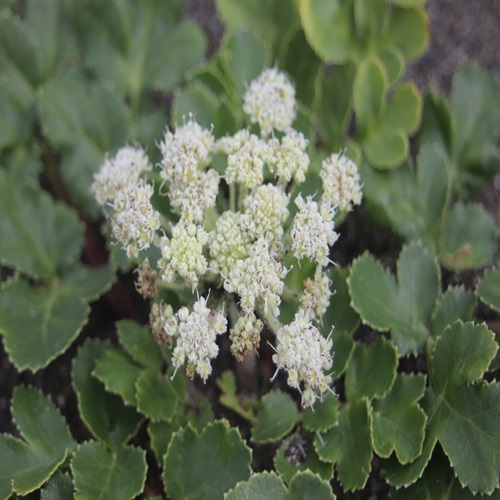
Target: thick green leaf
<point x="38" y="236"/>
<point x="155" y="396"/>
<point x="15" y="122"/>
<point x="404" y="110"/>
<point x="386" y="148"/>
<point x="466" y="415"/>
<point x="437" y="123"/>
<point x="26" y="465"/>
<point x="369" y="93"/>
<point x="86" y="122"/>
<point x="394" y="63"/>
<point x="348" y="445"/>
<point x="323" y="416"/>
<point x="39" y="323"/>
<point x="105" y="414"/>
<point x="59" y="487"/>
<point x="455" y="303"/>
<point x="118" y="374"/>
<point x="296" y="455"/>
<point x="408" y="31"/>
<point x="369" y="18"/>
<point x="405" y="308"/>
<point x="467" y="238"/>
<point x="140" y="344"/>
<point x="261" y="486"/>
<point x="327" y="25"/>
<point x="278" y="416"/>
<point x="398" y="422"/>
<point x="103" y="474"/>
<point x="205" y="465"/>
<point x="308" y="486"/>
<point x="488" y="289"/>
<point x="371" y="371"/>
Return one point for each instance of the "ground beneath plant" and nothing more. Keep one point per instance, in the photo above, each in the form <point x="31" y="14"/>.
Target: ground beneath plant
<point x="461" y="31"/>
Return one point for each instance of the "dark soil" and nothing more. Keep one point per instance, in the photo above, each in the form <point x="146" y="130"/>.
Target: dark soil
<point x="461" y="30"/>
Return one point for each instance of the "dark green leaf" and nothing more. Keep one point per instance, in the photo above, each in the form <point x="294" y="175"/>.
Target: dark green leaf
<point x="102" y="474"/>
<point x="308" y="486"/>
<point x="155" y="396"/>
<point x="205" y="465"/>
<point x="59" y="487"/>
<point x="278" y="416"/>
<point x="455" y="303"/>
<point x="323" y="416"/>
<point x="261" y="486"/>
<point x="488" y="289"/>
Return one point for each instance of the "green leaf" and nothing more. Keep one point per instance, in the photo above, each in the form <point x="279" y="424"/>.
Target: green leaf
<point x="227" y="384"/>
<point x="308" y="486"/>
<point x="118" y="374"/>
<point x="455" y="303"/>
<point x="488" y="289"/>
<point x="197" y="100"/>
<point x="437" y="123"/>
<point x="160" y="434"/>
<point x="477" y="127"/>
<point x="244" y="56"/>
<point x="348" y="445"/>
<point x="327" y="25"/>
<point x="404" y="308"/>
<point x="261" y="486"/>
<point x="38" y="236"/>
<point x="205" y="465"/>
<point x="386" y="148"/>
<point x="371" y="371"/>
<point x="102" y="474"/>
<point x="334" y="109"/>
<point x="463" y="410"/>
<point x="413" y="203"/>
<point x="398" y="422"/>
<point x="89" y="282"/>
<point x="140" y="344"/>
<point x="85" y="122"/>
<point x="408" y="31"/>
<point x="323" y="416"/>
<point x="52" y="319"/>
<point x="467" y="237"/>
<point x="296" y="455"/>
<point x="404" y="110"/>
<point x="26" y="465"/>
<point x="155" y="396"/>
<point x="105" y="414"/>
<point x="278" y="416"/>
<point x="370" y="87"/>
<point x="59" y="487"/>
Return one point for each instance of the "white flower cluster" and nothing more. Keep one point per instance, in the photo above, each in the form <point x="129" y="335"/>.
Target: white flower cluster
<point x="341" y="182"/>
<point x="196" y="334"/>
<point x="236" y="235"/>
<point x="270" y="101"/>
<point x="305" y="354"/>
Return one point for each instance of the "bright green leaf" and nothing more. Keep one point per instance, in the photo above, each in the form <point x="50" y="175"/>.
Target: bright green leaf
<point x="155" y="396"/>
<point x="386" y="148"/>
<point x="398" y="422"/>
<point x="39" y="323"/>
<point x="197" y="100"/>
<point x="467" y="238"/>
<point x="103" y="474"/>
<point x="404" y="110"/>
<point x="38" y="236"/>
<point x="409" y="31"/>
<point x="261" y="486"/>
<point x="327" y="25"/>
<point x="348" y="445"/>
<point x="105" y="414"/>
<point x="488" y="289"/>
<point x="205" y="465"/>
<point x="118" y="374"/>
<point x="278" y="416"/>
